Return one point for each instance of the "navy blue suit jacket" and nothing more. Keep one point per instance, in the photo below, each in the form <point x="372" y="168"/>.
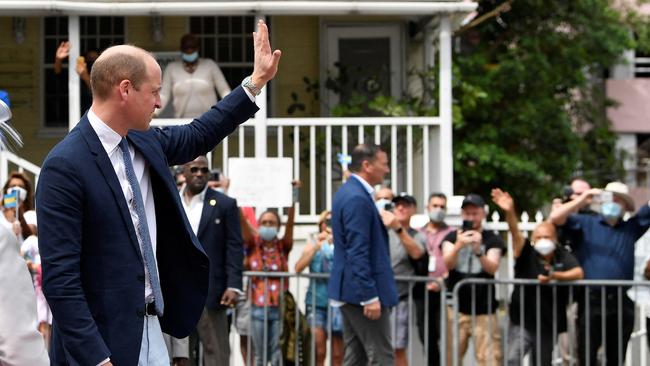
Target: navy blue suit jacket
<point x="93" y="273"/>
<point x="362" y="268"/>
<point x="220" y="234"/>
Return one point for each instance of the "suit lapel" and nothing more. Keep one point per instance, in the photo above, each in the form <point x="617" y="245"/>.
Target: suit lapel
<point x="106" y="168"/>
<point x="363" y="191"/>
<point x="206" y="213"/>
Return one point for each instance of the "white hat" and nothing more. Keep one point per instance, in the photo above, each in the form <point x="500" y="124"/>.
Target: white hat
<point x="623" y="192"/>
<point x="30" y="217"/>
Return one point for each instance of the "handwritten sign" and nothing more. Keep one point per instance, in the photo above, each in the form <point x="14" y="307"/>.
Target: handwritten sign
<point x="261" y="182"/>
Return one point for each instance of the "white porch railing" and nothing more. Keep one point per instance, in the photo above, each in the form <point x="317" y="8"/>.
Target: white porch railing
<point x="314" y="144"/>
<point x="11" y="162"/>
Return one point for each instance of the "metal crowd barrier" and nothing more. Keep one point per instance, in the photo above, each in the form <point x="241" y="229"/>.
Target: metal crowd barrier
<point x="582" y="291"/>
<point x="595" y="298"/>
<point x="299" y="298"/>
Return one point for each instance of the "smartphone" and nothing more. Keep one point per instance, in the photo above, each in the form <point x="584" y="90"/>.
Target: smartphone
<point x="214" y="175"/>
<point x="467" y="225"/>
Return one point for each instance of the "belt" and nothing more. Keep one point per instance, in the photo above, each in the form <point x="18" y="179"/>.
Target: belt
<point x="150" y="309"/>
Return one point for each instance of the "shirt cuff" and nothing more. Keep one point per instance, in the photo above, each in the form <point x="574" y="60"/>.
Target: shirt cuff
<point x="104" y="362"/>
<point x="374" y="299"/>
<point x="238" y="291"/>
<point x="250" y="95"/>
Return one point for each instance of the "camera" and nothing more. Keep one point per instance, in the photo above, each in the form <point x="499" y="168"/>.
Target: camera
<point x="214" y="175"/>
<point x="389" y="206"/>
<point x="467" y="225"/>
<point x="567" y="192"/>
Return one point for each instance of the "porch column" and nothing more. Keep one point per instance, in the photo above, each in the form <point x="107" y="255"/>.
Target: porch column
<point x="446" y="133"/>
<point x="260" y="117"/>
<point x="74" y="97"/>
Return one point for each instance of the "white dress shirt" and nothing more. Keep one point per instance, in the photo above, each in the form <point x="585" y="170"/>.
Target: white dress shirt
<point x="110" y="141"/>
<point x="194" y="208"/>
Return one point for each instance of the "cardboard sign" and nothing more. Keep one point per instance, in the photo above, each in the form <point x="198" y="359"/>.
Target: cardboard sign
<point x="261" y="182"/>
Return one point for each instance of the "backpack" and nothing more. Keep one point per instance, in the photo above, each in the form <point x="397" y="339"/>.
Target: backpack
<point x="290" y="340"/>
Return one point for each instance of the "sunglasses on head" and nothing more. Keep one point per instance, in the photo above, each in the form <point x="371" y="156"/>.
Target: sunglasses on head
<point x="195" y="169"/>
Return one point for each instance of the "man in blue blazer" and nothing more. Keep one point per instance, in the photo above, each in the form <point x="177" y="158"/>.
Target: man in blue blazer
<point x="362" y="280"/>
<point x="214" y="217"/>
<point x="120" y="260"/>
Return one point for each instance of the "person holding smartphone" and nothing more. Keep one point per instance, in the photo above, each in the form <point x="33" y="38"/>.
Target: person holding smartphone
<point x="606" y="252"/>
<point x="474" y="253"/>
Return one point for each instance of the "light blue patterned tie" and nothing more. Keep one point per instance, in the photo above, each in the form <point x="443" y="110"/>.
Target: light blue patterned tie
<point x="143" y="229"/>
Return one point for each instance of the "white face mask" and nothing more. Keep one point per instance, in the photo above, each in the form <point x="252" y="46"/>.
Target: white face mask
<point x="437" y="215"/>
<point x="22" y="193"/>
<point x="544" y="246"/>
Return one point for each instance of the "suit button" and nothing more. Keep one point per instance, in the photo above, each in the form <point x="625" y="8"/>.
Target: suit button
<point x="140" y="313"/>
<point x="141" y="278"/>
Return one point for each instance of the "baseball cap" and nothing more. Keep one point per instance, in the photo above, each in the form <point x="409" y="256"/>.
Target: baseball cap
<point x="405" y="197"/>
<point x="473" y="199"/>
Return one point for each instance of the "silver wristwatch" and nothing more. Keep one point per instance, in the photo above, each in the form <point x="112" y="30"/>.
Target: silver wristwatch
<point x="248" y="84"/>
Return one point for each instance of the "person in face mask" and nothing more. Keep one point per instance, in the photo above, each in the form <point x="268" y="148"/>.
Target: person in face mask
<point x="192" y="82"/>
<point x="543" y="259"/>
<point x="318" y="255"/>
<point x="266" y="252"/>
<point x="16" y="223"/>
<point x="605" y="253"/>
<point x="431" y="236"/>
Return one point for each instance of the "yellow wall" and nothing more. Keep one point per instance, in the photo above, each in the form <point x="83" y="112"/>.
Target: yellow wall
<point x="20" y="75"/>
<point x="297" y="37"/>
<point x="139" y="33"/>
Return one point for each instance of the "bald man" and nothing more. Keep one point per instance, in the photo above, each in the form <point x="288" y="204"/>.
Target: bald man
<point x="111" y="223"/>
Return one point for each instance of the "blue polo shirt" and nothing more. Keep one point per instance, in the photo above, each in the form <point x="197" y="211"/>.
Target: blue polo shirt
<point x="607" y="252"/>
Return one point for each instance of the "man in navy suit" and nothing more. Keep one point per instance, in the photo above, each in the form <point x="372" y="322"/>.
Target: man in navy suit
<point x="362" y="281"/>
<point x="214" y="218"/>
<point x="120" y="260"/>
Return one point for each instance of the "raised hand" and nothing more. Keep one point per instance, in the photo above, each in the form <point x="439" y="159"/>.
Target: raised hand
<point x="63" y="51"/>
<point x="266" y="60"/>
<point x="503" y="200"/>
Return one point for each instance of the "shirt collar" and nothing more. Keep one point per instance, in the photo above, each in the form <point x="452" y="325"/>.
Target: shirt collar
<point x="200" y="196"/>
<point x="366" y="185"/>
<point x="107" y="136"/>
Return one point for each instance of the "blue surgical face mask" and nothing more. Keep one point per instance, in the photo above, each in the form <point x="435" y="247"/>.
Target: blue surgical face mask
<point x="268" y="233"/>
<point x="611" y="210"/>
<point x="190" y="57"/>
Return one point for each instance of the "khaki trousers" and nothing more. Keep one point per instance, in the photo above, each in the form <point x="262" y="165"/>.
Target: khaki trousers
<point x="487" y="338"/>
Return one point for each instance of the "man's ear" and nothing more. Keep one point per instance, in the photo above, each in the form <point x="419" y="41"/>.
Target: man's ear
<point x="124" y="87"/>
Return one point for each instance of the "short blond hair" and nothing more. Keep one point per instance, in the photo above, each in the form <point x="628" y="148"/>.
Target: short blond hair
<point x="117" y="64"/>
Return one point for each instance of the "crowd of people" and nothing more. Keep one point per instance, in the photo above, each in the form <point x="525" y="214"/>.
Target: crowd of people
<point x="139" y="266"/>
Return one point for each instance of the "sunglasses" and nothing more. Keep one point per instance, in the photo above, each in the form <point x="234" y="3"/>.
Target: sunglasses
<point x="196" y="169"/>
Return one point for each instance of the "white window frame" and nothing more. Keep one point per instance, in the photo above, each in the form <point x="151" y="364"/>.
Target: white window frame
<point x="333" y="32"/>
<point x="44" y="130"/>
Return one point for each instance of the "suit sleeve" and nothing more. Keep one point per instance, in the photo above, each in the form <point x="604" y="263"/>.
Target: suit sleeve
<point x="358" y="233"/>
<point x="184" y="143"/>
<point x="234" y="248"/>
<point x="59" y="202"/>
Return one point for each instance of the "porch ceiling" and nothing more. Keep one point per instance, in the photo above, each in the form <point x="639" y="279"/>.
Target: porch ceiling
<point x="201" y="7"/>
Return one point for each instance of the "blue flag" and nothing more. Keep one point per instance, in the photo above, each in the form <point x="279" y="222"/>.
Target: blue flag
<point x="11" y="199"/>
